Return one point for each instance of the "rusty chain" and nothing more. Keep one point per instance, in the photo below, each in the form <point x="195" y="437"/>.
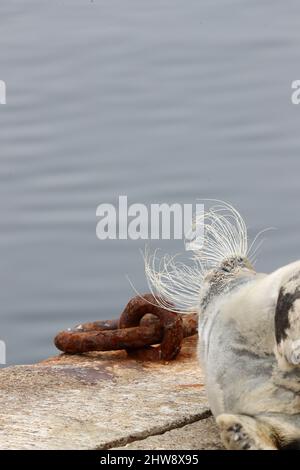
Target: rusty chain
<point x="142" y="325"/>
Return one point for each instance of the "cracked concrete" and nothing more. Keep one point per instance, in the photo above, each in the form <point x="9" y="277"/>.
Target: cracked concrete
<point x="106" y="400"/>
<point x="201" y="435"/>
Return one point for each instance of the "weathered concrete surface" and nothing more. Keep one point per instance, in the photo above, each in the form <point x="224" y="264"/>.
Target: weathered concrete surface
<point x="99" y="400"/>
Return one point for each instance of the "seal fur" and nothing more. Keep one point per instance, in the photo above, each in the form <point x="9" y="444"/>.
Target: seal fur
<point x="249" y="332"/>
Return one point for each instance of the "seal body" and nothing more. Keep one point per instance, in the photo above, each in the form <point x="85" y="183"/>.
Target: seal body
<point x="249" y="331"/>
<point x="247" y="373"/>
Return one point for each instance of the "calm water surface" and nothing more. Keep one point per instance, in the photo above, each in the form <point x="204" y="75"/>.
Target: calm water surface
<point x="164" y="101"/>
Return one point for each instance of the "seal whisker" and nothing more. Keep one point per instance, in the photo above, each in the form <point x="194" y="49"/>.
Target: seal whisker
<point x="179" y="283"/>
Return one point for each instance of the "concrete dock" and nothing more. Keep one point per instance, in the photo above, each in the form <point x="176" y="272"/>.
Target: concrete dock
<point x="106" y="401"/>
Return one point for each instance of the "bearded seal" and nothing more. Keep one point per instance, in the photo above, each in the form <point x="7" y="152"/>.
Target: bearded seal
<point x="249" y="332"/>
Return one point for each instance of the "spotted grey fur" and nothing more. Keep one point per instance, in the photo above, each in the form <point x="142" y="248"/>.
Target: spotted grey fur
<point x="246" y="320"/>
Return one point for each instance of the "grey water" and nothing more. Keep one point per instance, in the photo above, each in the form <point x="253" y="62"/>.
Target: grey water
<point x="162" y="101"/>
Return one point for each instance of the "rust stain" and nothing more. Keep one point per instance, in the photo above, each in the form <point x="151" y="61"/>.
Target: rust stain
<point x="190" y="386"/>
